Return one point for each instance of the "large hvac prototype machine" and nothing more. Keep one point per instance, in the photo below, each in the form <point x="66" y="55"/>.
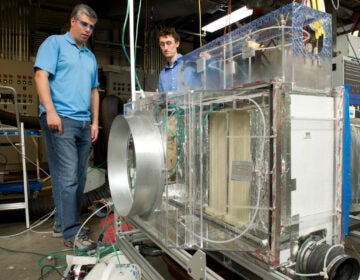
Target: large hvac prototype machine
<point x="245" y="162"/>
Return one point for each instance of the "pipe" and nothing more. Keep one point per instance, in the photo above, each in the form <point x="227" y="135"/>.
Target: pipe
<point x="2" y="8"/>
<point x="12" y="30"/>
<point x="320" y="261"/>
<point x="17" y="31"/>
<point x="6" y="47"/>
<point x="132" y="50"/>
<point x="27" y="35"/>
<point x="25" y="178"/>
<point x="20" y="31"/>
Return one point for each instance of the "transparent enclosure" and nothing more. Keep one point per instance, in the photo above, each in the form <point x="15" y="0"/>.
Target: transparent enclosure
<point x="250" y="170"/>
<point x="250" y="159"/>
<point x="293" y="43"/>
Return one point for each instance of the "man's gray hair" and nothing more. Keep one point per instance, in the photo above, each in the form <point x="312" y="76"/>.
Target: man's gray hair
<point x="84" y="9"/>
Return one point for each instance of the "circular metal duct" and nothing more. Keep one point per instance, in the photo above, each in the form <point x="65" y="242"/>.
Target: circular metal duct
<point x="135" y="164"/>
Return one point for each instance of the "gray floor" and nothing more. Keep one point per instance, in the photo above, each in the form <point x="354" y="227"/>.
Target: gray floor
<point x="23" y="251"/>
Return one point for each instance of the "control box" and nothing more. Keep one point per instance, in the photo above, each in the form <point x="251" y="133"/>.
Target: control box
<point x="20" y="76"/>
<point x="117" y="81"/>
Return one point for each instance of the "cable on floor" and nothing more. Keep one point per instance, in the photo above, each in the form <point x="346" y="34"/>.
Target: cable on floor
<point x="37" y="223"/>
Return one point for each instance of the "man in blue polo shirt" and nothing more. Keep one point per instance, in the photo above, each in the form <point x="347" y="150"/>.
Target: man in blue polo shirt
<point x="66" y="78"/>
<point x="175" y="75"/>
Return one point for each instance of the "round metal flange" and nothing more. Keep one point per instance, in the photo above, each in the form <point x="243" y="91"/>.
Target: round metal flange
<point x="135" y="164"/>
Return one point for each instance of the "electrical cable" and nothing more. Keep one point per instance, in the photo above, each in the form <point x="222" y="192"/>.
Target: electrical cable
<point x="20" y="153"/>
<point x="337" y="5"/>
<point x="137" y="26"/>
<point x="111" y="246"/>
<point x="123" y="43"/>
<point x="97" y="167"/>
<point x="325" y="269"/>
<point x="179" y="135"/>
<point x="5" y="159"/>
<point x="145" y="42"/>
<point x="227" y="26"/>
<point x="58" y="255"/>
<point x="34" y="225"/>
<point x="42" y="275"/>
<point x="21" y="252"/>
<point x="200" y="23"/>
<point x="92" y="215"/>
<point x="307" y="274"/>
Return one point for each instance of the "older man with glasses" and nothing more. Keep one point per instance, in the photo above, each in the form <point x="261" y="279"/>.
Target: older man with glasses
<point x="66" y="77"/>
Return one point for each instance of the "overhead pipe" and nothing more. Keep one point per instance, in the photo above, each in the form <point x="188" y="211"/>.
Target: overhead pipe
<point x="16" y="44"/>
<point x="2" y="28"/>
<point x="6" y="30"/>
<point x="27" y="34"/>
<point x="132" y="49"/>
<point x="19" y="35"/>
<point x="14" y="31"/>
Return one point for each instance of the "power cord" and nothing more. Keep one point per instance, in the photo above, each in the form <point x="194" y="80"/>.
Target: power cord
<point x="42" y="276"/>
<point x="34" y="225"/>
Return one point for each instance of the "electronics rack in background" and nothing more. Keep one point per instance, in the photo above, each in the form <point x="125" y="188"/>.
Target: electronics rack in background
<point x="20" y="76"/>
<point x="346" y="67"/>
<point x="116" y="80"/>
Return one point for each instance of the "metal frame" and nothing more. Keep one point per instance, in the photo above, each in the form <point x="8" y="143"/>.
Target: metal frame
<point x="183" y="258"/>
<point x="21" y="132"/>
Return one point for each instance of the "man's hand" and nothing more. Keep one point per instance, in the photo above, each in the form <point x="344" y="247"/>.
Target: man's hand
<point x="54" y="121"/>
<point x="94" y="132"/>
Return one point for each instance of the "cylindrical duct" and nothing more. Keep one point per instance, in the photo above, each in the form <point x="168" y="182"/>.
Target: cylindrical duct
<point x="314" y="256"/>
<point x="135" y="164"/>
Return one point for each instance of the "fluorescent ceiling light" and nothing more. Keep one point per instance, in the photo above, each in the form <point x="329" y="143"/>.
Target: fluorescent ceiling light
<point x="228" y="19"/>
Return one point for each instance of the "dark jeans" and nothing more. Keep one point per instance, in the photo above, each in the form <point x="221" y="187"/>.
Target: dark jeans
<point x="68" y="156"/>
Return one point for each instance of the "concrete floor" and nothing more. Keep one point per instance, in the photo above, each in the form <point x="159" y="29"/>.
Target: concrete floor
<point x="23" y="251"/>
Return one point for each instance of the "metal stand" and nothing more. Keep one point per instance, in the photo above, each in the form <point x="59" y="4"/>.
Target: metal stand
<point x="20" y="131"/>
<point x="194" y="265"/>
<point x="25" y="204"/>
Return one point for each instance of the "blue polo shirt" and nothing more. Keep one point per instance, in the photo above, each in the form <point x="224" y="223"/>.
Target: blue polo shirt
<point x="168" y="77"/>
<point x="179" y="76"/>
<point x="73" y="72"/>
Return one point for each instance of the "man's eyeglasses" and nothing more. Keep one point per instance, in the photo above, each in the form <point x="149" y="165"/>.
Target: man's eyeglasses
<point x="168" y="43"/>
<point x="86" y="25"/>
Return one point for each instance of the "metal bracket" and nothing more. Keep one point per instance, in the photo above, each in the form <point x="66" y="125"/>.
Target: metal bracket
<point x="293" y="184"/>
<point x="196" y="266"/>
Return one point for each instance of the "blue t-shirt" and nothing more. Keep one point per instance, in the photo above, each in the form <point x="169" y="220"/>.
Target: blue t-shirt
<point x="72" y="74"/>
<point x="179" y="76"/>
